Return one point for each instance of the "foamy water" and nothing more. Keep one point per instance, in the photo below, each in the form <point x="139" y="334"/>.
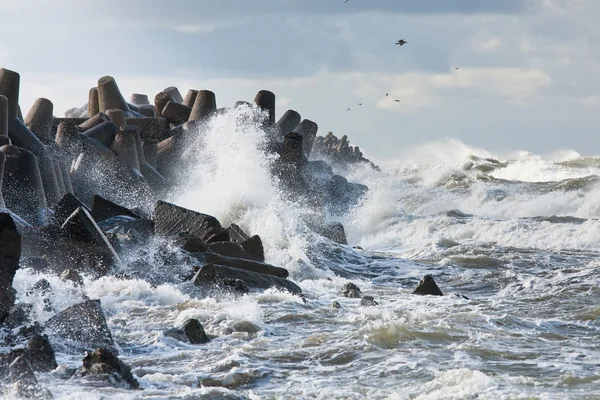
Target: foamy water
<point x="526" y="325"/>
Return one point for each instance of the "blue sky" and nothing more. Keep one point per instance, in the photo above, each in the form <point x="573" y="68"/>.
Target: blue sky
<point x="528" y="77"/>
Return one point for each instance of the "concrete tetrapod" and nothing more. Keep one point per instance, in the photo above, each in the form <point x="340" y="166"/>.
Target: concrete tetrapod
<point x="22" y="185"/>
<point x="39" y="119"/>
<point x="205" y="105"/>
<point x="110" y="97"/>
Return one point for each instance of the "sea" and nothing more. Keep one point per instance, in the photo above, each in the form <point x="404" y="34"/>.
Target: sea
<point x="512" y="240"/>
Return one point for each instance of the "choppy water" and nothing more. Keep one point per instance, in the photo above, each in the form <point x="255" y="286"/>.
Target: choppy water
<point x="519" y="236"/>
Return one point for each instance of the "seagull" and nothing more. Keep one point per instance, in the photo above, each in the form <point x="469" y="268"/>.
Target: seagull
<point x="348" y="110"/>
<point x="360" y="104"/>
<point x="397" y="101"/>
<point x="456" y="68"/>
<point x="401" y="42"/>
<point x="387" y="94"/>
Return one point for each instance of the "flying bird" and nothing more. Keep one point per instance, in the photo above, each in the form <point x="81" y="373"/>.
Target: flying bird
<point x="387" y="94"/>
<point x="401" y="42"/>
<point x="360" y="104"/>
<point x="456" y="68"/>
<point x="397" y="101"/>
<point x="348" y="110"/>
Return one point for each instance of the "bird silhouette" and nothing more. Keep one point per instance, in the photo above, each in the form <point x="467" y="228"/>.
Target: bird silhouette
<point x="387" y="94"/>
<point x="456" y="68"/>
<point x="397" y="101"/>
<point x="360" y="104"/>
<point x="348" y="110"/>
<point x="401" y="42"/>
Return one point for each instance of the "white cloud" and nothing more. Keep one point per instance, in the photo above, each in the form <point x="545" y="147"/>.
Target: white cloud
<point x="486" y="45"/>
<point x="591" y="101"/>
<point x="206" y="27"/>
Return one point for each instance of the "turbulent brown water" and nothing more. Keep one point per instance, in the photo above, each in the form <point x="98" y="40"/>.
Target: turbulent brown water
<point x="514" y="245"/>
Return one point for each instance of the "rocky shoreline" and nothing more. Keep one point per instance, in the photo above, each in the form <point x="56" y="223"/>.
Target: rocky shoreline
<point x="85" y="195"/>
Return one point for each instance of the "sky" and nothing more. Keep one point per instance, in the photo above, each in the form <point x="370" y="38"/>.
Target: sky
<point x="528" y="74"/>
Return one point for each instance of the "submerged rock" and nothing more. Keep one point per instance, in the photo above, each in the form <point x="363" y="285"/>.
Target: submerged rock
<point x="352" y="291"/>
<point x="73" y="276"/>
<point x="102" y="364"/>
<point x="84" y="324"/>
<point x="427" y="286"/>
<point x="335" y="305"/>
<point x="22" y="381"/>
<point x="191" y="332"/>
<point x="368" y="301"/>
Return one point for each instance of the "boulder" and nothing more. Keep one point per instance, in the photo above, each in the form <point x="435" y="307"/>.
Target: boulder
<point x="83" y="324"/>
<point x="351" y="290"/>
<point x="236" y="234"/>
<point x="368" y="301"/>
<point x="335" y="305"/>
<point x="171" y="220"/>
<point x="427" y="286"/>
<point x="335" y="232"/>
<point x="248" y="265"/>
<point x="10" y="254"/>
<point x="103" y="365"/>
<point x="216" y="274"/>
<point x="191" y="332"/>
<point x="250" y="249"/>
<point x="41" y="354"/>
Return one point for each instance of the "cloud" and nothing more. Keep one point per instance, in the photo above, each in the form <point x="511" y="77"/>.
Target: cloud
<point x="486" y="45"/>
<point x="591" y="101"/>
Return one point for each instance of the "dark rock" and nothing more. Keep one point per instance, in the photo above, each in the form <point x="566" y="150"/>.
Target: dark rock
<point x="10" y="253"/>
<point x="65" y="207"/>
<point x="84" y="324"/>
<point x="251" y="249"/>
<point x="177" y="334"/>
<point x="18" y="315"/>
<point x="194" y="331"/>
<point x="368" y="301"/>
<point x="103" y="209"/>
<point x="351" y="290"/>
<point x="288" y="121"/>
<point x="335" y="232"/>
<point x="427" y="286"/>
<point x="102" y="364"/>
<point x="215" y="274"/>
<point x="41" y="354"/>
<point x="170" y="220"/>
<point x="236" y="234"/>
<point x="235" y="285"/>
<point x="254" y="249"/>
<point x="336" y="305"/>
<point x="191" y="244"/>
<point x="73" y="276"/>
<point x="266" y="101"/>
<point x="248" y="265"/>
<point x="81" y="226"/>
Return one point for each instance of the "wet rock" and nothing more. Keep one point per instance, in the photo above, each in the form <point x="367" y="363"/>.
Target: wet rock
<point x="236" y="234"/>
<point x="191" y="244"/>
<point x="81" y="226"/>
<point x="72" y="276"/>
<point x="247" y="265"/>
<point x="24" y="382"/>
<point x="10" y="253"/>
<point x="103" y="365"/>
<point x="253" y="248"/>
<point x="215" y="274"/>
<point x="351" y="290"/>
<point x="83" y="324"/>
<point x="103" y="209"/>
<point x="195" y="332"/>
<point x="368" y="301"/>
<point x="41" y="354"/>
<point x="427" y="286"/>
<point x="65" y="207"/>
<point x="335" y="232"/>
<point x="335" y="305"/>
<point x="170" y="220"/>
<point x="237" y="286"/>
<point x="191" y="332"/>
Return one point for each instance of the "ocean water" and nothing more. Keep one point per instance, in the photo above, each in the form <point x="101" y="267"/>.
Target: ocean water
<point x="513" y="241"/>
